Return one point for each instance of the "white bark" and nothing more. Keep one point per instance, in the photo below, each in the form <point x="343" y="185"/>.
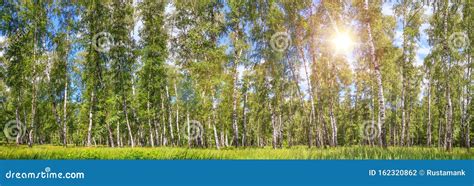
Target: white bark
<point x="311" y="97"/>
<point x="89" y="130"/>
<point x="429" y="133"/>
<point x="333" y="125"/>
<point x="177" y="114"/>
<point x="132" y="142"/>
<point x="65" y="113"/>
<point x="378" y="76"/>
<point x="169" y="115"/>
<point x="152" y="138"/>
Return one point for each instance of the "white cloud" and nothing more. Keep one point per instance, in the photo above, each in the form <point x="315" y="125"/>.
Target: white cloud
<point x="424" y="50"/>
<point x="170" y="10"/>
<point x="428" y="10"/>
<point x="419" y="60"/>
<point x="423" y="29"/>
<point x="240" y="71"/>
<point x="398" y="40"/>
<point x="387" y="9"/>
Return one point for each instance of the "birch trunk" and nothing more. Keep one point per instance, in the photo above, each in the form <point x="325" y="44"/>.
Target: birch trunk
<point x="157" y="127"/>
<point x="132" y="142"/>
<point x="449" y="116"/>
<point x="33" y="116"/>
<point x="89" y="130"/>
<point x="333" y="125"/>
<point x="440" y="127"/>
<point x="449" y="106"/>
<point x="163" y="121"/>
<point x="177" y="115"/>
<point x="378" y="76"/>
<point x="322" y="128"/>
<point x="214" y="117"/>
<point x="402" y="141"/>
<point x="152" y="139"/>
<point x="280" y="129"/>
<point x="428" y="130"/>
<point x="311" y="97"/>
<point x="33" y="100"/>
<point x="188" y="129"/>
<point x="119" y="139"/>
<point x="169" y="115"/>
<point x="17" y="118"/>
<point x="235" y="126"/>
<point x="275" y="128"/>
<point x="467" y="109"/>
<point x="56" y="116"/>
<point x="244" y="132"/>
<point x="370" y="140"/>
<point x="65" y="114"/>
<point x="111" y="137"/>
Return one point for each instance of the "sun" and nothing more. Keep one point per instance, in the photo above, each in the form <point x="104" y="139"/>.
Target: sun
<point x="342" y="43"/>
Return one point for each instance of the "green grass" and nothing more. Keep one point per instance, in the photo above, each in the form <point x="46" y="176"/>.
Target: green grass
<point x="171" y="153"/>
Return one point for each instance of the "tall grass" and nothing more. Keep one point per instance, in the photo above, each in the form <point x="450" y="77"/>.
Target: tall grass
<point x="267" y="153"/>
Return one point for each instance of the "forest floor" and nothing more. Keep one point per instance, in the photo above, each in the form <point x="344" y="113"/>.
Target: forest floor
<point x="267" y="153"/>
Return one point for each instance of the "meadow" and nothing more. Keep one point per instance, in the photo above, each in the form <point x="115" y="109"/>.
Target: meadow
<point x="50" y="152"/>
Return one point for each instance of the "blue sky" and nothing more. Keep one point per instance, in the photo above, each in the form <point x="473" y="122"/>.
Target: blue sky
<point x="423" y="47"/>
